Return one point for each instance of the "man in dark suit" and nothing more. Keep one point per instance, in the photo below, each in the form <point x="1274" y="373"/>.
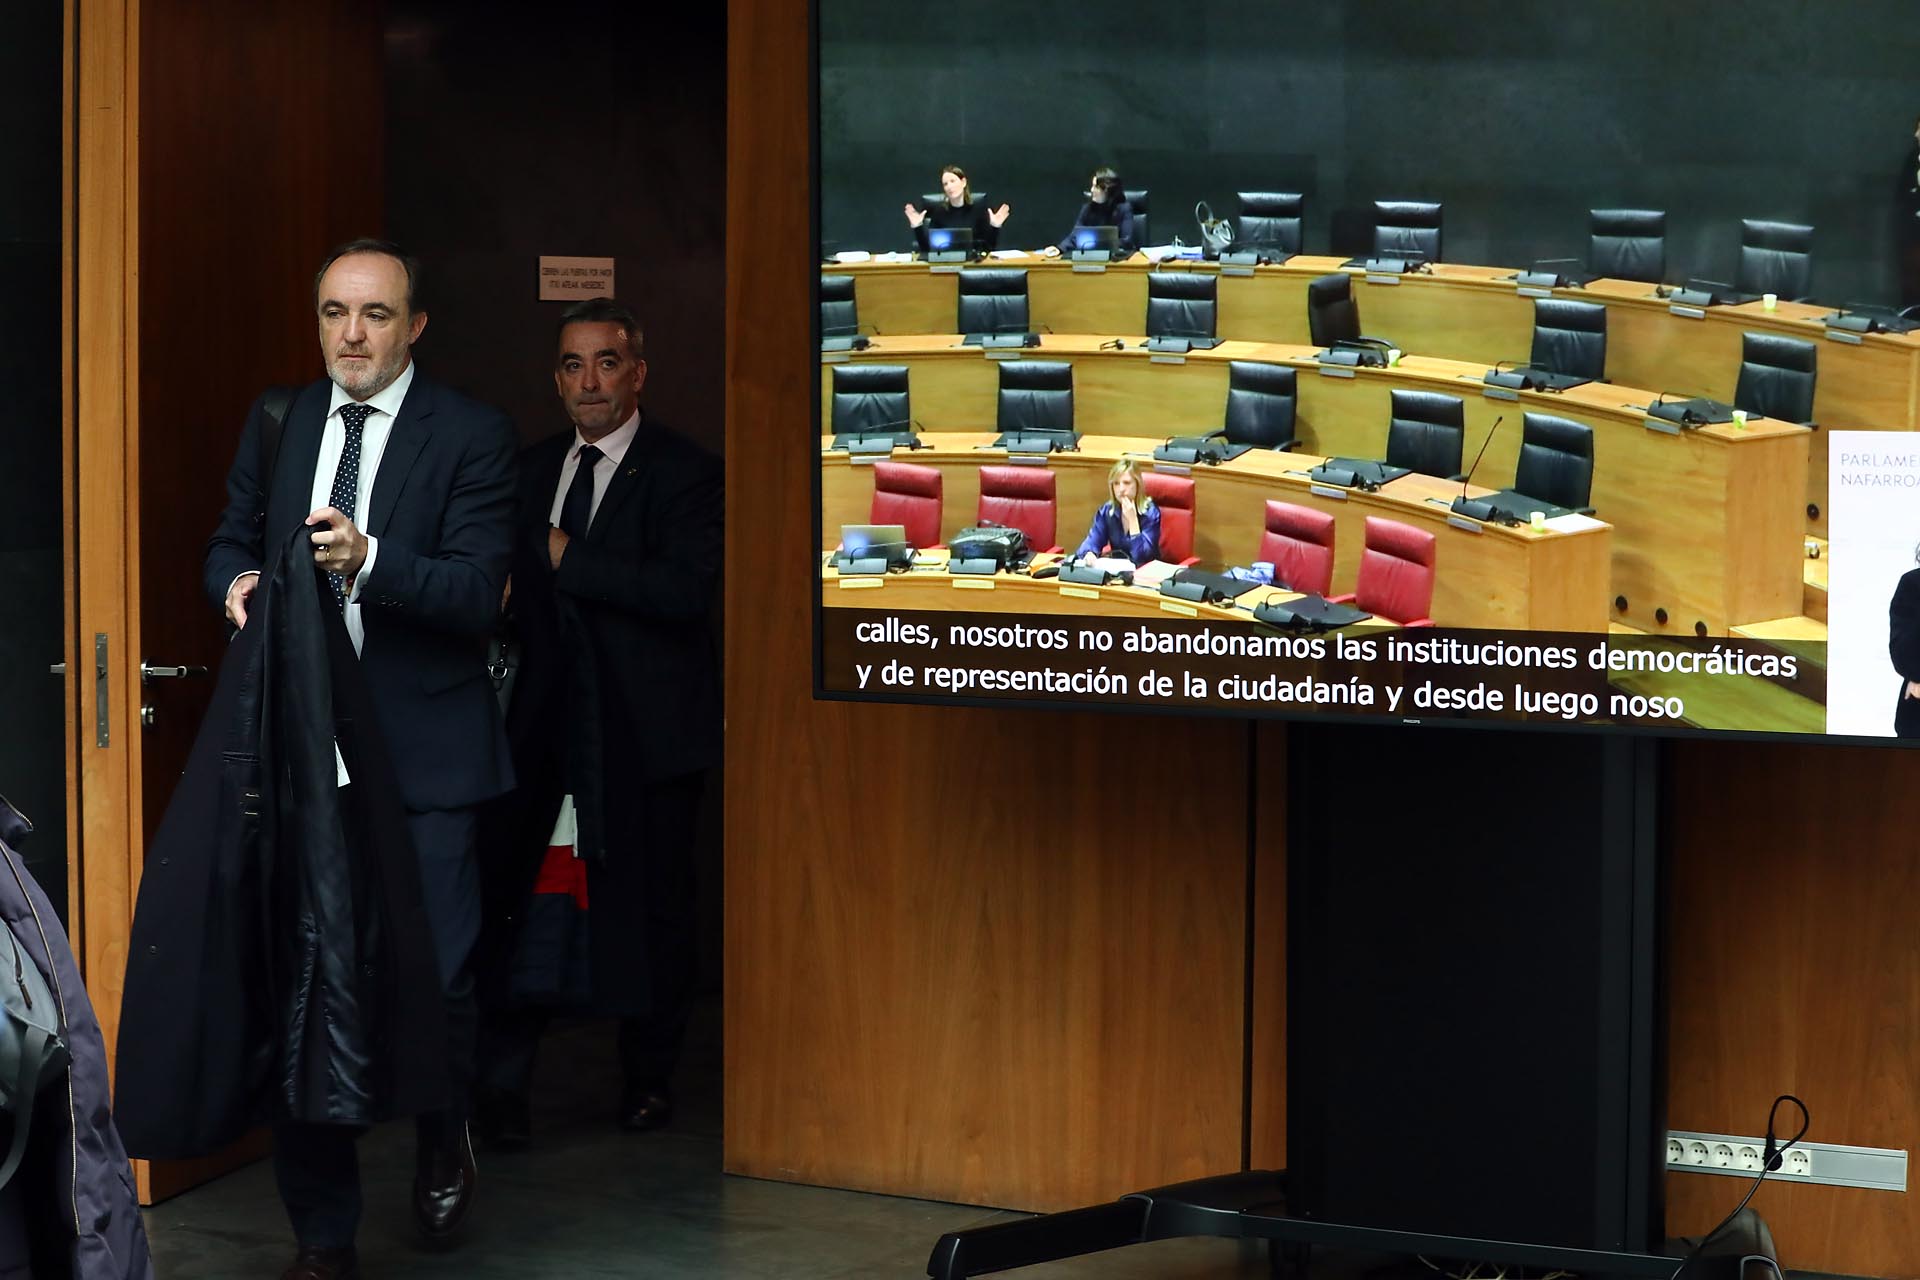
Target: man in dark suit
<point x="408" y="490"/>
<point x="616" y="555"/>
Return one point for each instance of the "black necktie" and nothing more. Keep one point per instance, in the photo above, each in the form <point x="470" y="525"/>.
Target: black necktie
<point x="346" y="479"/>
<point x="576" y="512"/>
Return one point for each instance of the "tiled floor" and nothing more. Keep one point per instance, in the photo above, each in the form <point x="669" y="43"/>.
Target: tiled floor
<point x="589" y="1201"/>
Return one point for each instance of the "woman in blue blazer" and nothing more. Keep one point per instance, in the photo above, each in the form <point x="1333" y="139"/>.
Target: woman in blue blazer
<point x="1128" y="524"/>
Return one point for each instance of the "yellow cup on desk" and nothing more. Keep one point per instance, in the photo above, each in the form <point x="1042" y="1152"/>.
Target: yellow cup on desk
<point x="1538" y="519"/>
<point x="1393" y="356"/>
<point x="1739" y="419"/>
<point x="1769" y="301"/>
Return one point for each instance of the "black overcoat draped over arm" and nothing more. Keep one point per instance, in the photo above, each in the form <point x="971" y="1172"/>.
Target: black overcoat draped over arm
<point x="280" y="965"/>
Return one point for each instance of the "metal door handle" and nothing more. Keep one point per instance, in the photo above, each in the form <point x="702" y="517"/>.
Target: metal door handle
<point x="149" y="672"/>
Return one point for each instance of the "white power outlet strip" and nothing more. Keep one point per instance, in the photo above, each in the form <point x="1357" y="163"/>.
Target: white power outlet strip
<point x="1874" y="1168"/>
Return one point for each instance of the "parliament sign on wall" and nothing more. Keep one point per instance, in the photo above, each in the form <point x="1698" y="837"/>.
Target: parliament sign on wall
<point x="571" y="279"/>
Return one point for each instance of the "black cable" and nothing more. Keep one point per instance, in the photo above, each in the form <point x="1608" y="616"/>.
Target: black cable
<point x="1771" y="1157"/>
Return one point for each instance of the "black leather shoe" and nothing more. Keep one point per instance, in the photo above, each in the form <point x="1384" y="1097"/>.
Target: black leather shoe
<point x="645" y="1106"/>
<point x="501" y="1120"/>
<point x="323" y="1264"/>
<point x="443" y="1184"/>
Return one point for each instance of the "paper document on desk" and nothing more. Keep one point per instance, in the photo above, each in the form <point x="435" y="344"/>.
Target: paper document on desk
<point x="1153" y="573"/>
<point x="1004" y="254"/>
<point x="892" y="257"/>
<point x="853" y="255"/>
<point x="1574" y="522"/>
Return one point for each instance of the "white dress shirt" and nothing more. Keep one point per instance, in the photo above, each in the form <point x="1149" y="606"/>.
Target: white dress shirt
<point x="614" y="445"/>
<point x="373" y="443"/>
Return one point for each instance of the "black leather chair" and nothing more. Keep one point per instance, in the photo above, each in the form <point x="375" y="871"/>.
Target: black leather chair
<point x="1570" y="337"/>
<point x="871" y="398"/>
<point x="1777" y="377"/>
<point x="994" y="300"/>
<point x="1271" y="222"/>
<point x="1406" y="226"/>
<point x="1628" y="244"/>
<point x="1428" y="433"/>
<point x="1261" y="404"/>
<point x="1182" y="304"/>
<point x="1036" y="395"/>
<point x="1137" y="200"/>
<point x="839" y="318"/>
<point x="1556" y="461"/>
<point x="1775" y="257"/>
<point x="1332" y="314"/>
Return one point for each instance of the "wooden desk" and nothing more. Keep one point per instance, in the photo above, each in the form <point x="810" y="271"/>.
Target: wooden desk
<point x="1708" y="524"/>
<point x="1467" y="313"/>
<point x="1513" y="578"/>
<point x="929" y="587"/>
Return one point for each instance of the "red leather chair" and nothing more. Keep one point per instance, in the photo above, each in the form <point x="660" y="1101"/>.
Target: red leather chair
<point x="1022" y="497"/>
<point x="909" y="495"/>
<point x="1396" y="573"/>
<point x="1299" y="544"/>
<point x="1174" y="496"/>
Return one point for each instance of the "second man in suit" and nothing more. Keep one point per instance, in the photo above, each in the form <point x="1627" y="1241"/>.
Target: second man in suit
<point x="616" y="556"/>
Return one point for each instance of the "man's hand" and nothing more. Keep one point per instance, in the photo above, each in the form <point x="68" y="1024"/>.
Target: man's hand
<point x="340" y="547"/>
<point x="1913" y="687"/>
<point x="556" y="546"/>
<point x="506" y="594"/>
<point x="238" y="597"/>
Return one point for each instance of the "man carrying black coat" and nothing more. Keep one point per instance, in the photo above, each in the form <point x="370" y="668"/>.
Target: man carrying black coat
<point x="617" y="703"/>
<point x="401" y="492"/>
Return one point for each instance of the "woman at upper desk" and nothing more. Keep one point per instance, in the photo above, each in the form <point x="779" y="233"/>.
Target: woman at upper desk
<point x="1903" y="645"/>
<point x="1127" y="525"/>
<point x="959" y="209"/>
<point x="1106" y="206"/>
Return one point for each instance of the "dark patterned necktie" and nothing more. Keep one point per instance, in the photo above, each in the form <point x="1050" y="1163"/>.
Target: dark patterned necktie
<point x="576" y="511"/>
<point x="346" y="479"/>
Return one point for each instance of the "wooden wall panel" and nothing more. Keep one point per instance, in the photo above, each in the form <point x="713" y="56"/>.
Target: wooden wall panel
<point x="1020" y="994"/>
<point x="1796" y="969"/>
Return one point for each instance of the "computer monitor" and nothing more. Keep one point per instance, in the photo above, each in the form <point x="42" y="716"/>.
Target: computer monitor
<point x="886" y="542"/>
<point x="1096" y="239"/>
<point x="949" y="244"/>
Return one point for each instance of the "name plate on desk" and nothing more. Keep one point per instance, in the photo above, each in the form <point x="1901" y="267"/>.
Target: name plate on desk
<point x="1661" y="425"/>
<point x="1533" y="291"/>
<point x="1687" y="313"/>
<point x="866" y="458"/>
<point x="1171" y="468"/>
<point x="1166" y="359"/>
<point x="859" y="584"/>
<point x="943" y="268"/>
<point x="1841" y="335"/>
<point x="1327" y="491"/>
<point x="1336" y="370"/>
<point x="1027" y="459"/>
<point x="1499" y="393"/>
<point x="1174" y="606"/>
<point x="1001" y="353"/>
<point x="835" y="357"/>
<point x="1081" y="593"/>
<point x="973" y="584"/>
<point x="1089" y="266"/>
<point x="1375" y="279"/>
<point x="1470" y="526"/>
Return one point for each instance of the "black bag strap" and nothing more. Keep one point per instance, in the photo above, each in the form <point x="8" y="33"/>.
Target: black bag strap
<point x="275" y="404"/>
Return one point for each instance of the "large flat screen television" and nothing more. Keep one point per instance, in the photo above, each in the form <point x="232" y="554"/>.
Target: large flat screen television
<point x="1586" y="498"/>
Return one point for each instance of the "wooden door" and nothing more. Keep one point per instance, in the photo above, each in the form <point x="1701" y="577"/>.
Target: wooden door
<point x="217" y="148"/>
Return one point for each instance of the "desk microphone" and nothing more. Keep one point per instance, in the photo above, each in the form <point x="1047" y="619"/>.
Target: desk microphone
<point x="1477" y="509"/>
